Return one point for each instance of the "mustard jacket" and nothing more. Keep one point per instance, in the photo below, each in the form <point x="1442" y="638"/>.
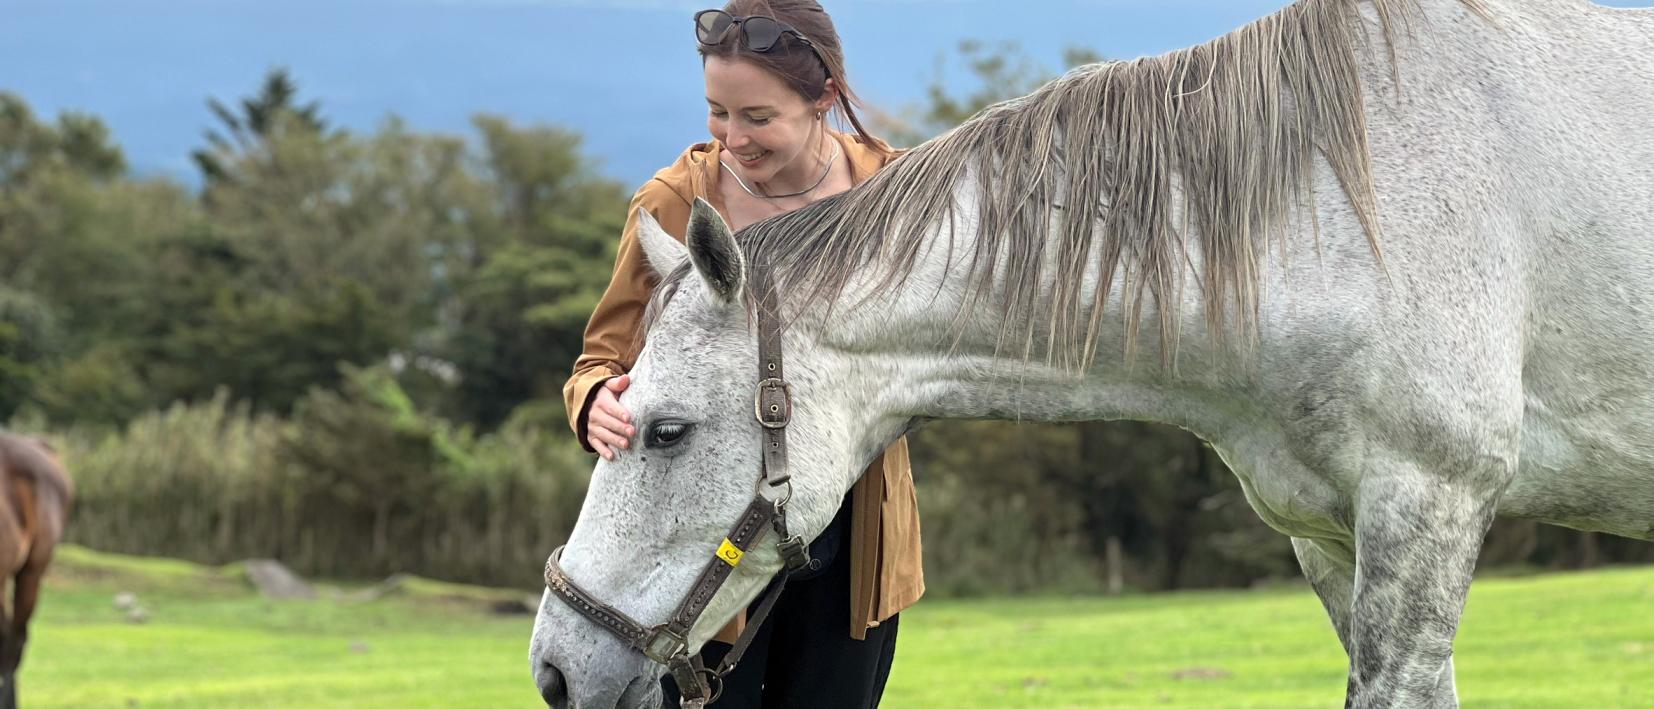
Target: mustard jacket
<point x="886" y="574"/>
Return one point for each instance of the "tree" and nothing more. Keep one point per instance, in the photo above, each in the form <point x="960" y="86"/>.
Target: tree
<point x="29" y="338"/>
<point x="79" y="143"/>
<point x="263" y="117"/>
<point x="321" y="247"/>
<point x="520" y="316"/>
<point x="73" y="237"/>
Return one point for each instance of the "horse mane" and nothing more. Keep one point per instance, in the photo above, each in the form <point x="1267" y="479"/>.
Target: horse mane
<point x="1081" y="174"/>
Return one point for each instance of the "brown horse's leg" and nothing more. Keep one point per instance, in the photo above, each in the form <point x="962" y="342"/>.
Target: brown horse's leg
<point x="11" y="653"/>
<point x="25" y="595"/>
<point x="43" y="519"/>
<point x="8" y="693"/>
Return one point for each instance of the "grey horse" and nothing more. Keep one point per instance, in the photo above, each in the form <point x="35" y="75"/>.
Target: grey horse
<point x="1394" y="259"/>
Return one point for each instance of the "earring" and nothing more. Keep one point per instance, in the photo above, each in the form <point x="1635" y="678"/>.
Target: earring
<point x="818" y="115"/>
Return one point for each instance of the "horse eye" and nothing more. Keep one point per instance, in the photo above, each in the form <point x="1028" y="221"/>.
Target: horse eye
<point x="663" y="434"/>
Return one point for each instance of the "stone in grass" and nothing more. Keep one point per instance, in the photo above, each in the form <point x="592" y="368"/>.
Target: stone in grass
<point x="276" y="581"/>
<point x="137" y="616"/>
<point x="126" y="600"/>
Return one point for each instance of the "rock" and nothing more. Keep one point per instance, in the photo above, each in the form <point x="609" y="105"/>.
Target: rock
<point x="137" y="616"/>
<point x="276" y="581"/>
<point x="126" y="600"/>
<point x="360" y="648"/>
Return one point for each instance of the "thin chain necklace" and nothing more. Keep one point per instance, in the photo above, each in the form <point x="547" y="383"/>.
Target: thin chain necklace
<point x="772" y="197"/>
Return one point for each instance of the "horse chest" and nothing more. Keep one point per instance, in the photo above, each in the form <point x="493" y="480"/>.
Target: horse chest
<point x="1287" y="495"/>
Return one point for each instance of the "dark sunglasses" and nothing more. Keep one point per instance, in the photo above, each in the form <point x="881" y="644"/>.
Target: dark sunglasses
<point x="758" y="33"/>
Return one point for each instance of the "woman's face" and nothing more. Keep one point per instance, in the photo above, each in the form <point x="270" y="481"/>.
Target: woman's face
<point x="766" y="125"/>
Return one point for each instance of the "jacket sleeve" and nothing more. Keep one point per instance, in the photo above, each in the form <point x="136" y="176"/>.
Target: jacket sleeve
<point x="613" y="337"/>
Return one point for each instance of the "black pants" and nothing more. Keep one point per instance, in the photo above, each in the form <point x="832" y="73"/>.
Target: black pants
<point x="803" y="657"/>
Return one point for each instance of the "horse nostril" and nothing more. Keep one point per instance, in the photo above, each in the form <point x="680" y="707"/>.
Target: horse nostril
<point x="552" y="687"/>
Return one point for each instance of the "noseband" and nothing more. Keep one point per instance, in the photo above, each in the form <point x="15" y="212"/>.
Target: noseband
<point x="668" y="643"/>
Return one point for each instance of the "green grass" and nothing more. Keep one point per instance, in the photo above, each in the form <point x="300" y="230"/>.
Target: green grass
<point x="1578" y="640"/>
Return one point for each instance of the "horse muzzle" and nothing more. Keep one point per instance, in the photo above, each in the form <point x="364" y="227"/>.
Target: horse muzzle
<point x="578" y="666"/>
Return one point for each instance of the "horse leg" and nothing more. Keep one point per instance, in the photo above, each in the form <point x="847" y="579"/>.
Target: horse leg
<point x="11" y="652"/>
<point x="1330" y="568"/>
<point x="46" y="519"/>
<point x="25" y="596"/>
<point x="1417" y="538"/>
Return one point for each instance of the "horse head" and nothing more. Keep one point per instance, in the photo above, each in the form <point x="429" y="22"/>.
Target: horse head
<point x="657" y="515"/>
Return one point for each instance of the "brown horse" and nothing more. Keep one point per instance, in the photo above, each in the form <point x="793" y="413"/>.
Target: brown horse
<point x="34" y="505"/>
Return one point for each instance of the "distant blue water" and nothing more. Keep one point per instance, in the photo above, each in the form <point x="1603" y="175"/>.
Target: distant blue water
<point x="622" y="72"/>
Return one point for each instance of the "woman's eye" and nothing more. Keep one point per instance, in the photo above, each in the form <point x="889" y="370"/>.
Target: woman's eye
<point x="719" y="115"/>
<point x="666" y="433"/>
<point x="760" y="121"/>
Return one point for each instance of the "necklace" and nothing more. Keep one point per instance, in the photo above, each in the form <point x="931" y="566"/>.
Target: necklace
<point x="772" y="197"/>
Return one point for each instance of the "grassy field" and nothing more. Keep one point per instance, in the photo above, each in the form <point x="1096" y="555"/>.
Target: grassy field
<point x="1578" y="640"/>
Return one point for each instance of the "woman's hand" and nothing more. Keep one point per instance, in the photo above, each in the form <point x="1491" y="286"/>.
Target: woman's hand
<point x="608" y="424"/>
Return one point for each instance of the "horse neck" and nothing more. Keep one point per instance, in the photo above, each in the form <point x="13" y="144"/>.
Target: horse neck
<point x="928" y="350"/>
<point x="963" y="366"/>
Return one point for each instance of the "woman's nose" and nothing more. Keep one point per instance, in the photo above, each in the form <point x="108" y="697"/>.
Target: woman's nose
<point x="735" y="138"/>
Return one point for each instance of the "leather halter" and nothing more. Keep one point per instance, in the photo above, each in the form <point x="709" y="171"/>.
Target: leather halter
<point x="667" y="643"/>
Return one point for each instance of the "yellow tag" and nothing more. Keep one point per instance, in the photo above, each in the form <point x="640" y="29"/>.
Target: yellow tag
<point x="729" y="553"/>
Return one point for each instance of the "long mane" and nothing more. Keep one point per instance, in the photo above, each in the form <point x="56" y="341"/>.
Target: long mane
<point x="1082" y="176"/>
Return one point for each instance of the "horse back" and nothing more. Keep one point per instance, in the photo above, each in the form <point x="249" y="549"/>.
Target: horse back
<point x="37" y="492"/>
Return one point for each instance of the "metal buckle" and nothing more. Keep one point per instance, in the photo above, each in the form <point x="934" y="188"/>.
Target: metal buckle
<point x="663" y="645"/>
<point x="777" y="415"/>
<point x="795" y="552"/>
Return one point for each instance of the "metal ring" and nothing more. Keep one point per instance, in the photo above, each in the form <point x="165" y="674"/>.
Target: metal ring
<point x="715" y="684"/>
<point x="786" y="496"/>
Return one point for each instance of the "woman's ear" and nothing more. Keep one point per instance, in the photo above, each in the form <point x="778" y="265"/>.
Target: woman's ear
<point x="829" y="97"/>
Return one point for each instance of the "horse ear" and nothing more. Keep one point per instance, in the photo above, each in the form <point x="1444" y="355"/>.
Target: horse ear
<point x="662" y="251"/>
<point x="716" y="256"/>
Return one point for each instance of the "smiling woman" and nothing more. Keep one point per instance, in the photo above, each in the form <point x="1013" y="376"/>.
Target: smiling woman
<point x="774" y="72"/>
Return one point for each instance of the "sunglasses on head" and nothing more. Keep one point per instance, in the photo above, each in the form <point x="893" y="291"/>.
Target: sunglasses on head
<point x="758" y="33"/>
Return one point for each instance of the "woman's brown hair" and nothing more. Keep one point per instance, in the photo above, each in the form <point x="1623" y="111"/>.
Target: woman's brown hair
<point x="804" y="70"/>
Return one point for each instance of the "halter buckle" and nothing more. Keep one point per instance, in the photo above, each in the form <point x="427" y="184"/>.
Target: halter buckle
<point x="773" y="403"/>
<point x="795" y="552"/>
<point x="664" y="645"/>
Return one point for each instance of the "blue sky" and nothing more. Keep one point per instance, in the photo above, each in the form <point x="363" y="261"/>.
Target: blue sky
<point x="623" y="72"/>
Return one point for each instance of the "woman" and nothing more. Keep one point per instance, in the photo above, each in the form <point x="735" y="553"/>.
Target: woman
<point x="774" y="72"/>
